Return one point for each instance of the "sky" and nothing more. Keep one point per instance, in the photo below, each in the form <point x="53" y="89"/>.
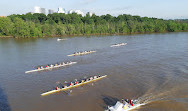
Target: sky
<point x="165" y="9"/>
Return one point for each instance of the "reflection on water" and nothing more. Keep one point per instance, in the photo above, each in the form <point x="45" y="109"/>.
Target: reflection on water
<point x="152" y="68"/>
<point x="4" y="104"/>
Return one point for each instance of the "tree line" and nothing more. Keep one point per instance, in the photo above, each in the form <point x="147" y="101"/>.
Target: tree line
<point x="58" y="24"/>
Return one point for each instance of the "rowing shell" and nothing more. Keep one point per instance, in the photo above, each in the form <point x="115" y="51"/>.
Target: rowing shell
<point x="118" y="45"/>
<point x="60" y="39"/>
<point x="64" y="89"/>
<point x="83" y="53"/>
<point x="50" y="67"/>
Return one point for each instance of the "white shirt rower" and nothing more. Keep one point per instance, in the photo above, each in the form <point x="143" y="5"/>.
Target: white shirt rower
<point x="95" y="77"/>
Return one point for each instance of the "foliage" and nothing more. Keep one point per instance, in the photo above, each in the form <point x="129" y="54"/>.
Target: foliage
<point x="41" y="25"/>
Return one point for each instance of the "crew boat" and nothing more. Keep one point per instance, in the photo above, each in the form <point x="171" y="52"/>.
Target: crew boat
<point x="75" y="84"/>
<point x="52" y="66"/>
<point x="117" y="45"/>
<point x="81" y="53"/>
<point x="125" y="105"/>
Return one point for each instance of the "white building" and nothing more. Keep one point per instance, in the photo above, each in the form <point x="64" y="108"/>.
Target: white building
<point x="61" y="10"/>
<point x="76" y="11"/>
<point x="79" y="12"/>
<point x="71" y="11"/>
<point x="90" y="13"/>
<point x="39" y="10"/>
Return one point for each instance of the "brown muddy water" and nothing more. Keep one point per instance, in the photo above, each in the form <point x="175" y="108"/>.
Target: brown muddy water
<point x="152" y="68"/>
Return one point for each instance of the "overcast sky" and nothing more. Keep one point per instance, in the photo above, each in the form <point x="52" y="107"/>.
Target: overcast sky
<point x="166" y="9"/>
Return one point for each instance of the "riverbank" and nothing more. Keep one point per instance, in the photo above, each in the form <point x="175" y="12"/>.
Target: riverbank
<point x="97" y="34"/>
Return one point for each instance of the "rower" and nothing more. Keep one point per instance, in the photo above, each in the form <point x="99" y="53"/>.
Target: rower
<point x="125" y="104"/>
<point x="76" y="83"/>
<point x="38" y="67"/>
<point x="52" y="65"/>
<point x="63" y="63"/>
<point x="41" y="67"/>
<point x="71" y="84"/>
<point x="95" y="77"/>
<point x="55" y="64"/>
<point x="65" y="86"/>
<point x="47" y="66"/>
<point x="57" y="88"/>
<point x="82" y="81"/>
<point x="91" y="78"/>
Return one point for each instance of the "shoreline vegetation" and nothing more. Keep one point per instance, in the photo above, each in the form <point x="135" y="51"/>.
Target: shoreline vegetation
<point x="64" y="25"/>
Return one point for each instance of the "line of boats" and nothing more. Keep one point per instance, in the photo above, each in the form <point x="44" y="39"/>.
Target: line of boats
<point x="75" y="84"/>
<point x="117" y="45"/>
<point x="52" y="66"/>
<point x="125" y="105"/>
<point x="81" y="53"/>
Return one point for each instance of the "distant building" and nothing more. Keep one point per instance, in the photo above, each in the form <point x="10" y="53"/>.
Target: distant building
<point x="90" y="13"/>
<point x="79" y="12"/>
<point x="76" y="11"/>
<point x="50" y="11"/>
<point x="61" y="10"/>
<point x="39" y="10"/>
<point x="71" y="11"/>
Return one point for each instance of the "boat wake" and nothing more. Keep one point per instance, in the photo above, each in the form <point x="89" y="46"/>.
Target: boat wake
<point x="120" y="106"/>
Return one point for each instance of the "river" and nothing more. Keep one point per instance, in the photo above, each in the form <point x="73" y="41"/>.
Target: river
<point x="151" y="67"/>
